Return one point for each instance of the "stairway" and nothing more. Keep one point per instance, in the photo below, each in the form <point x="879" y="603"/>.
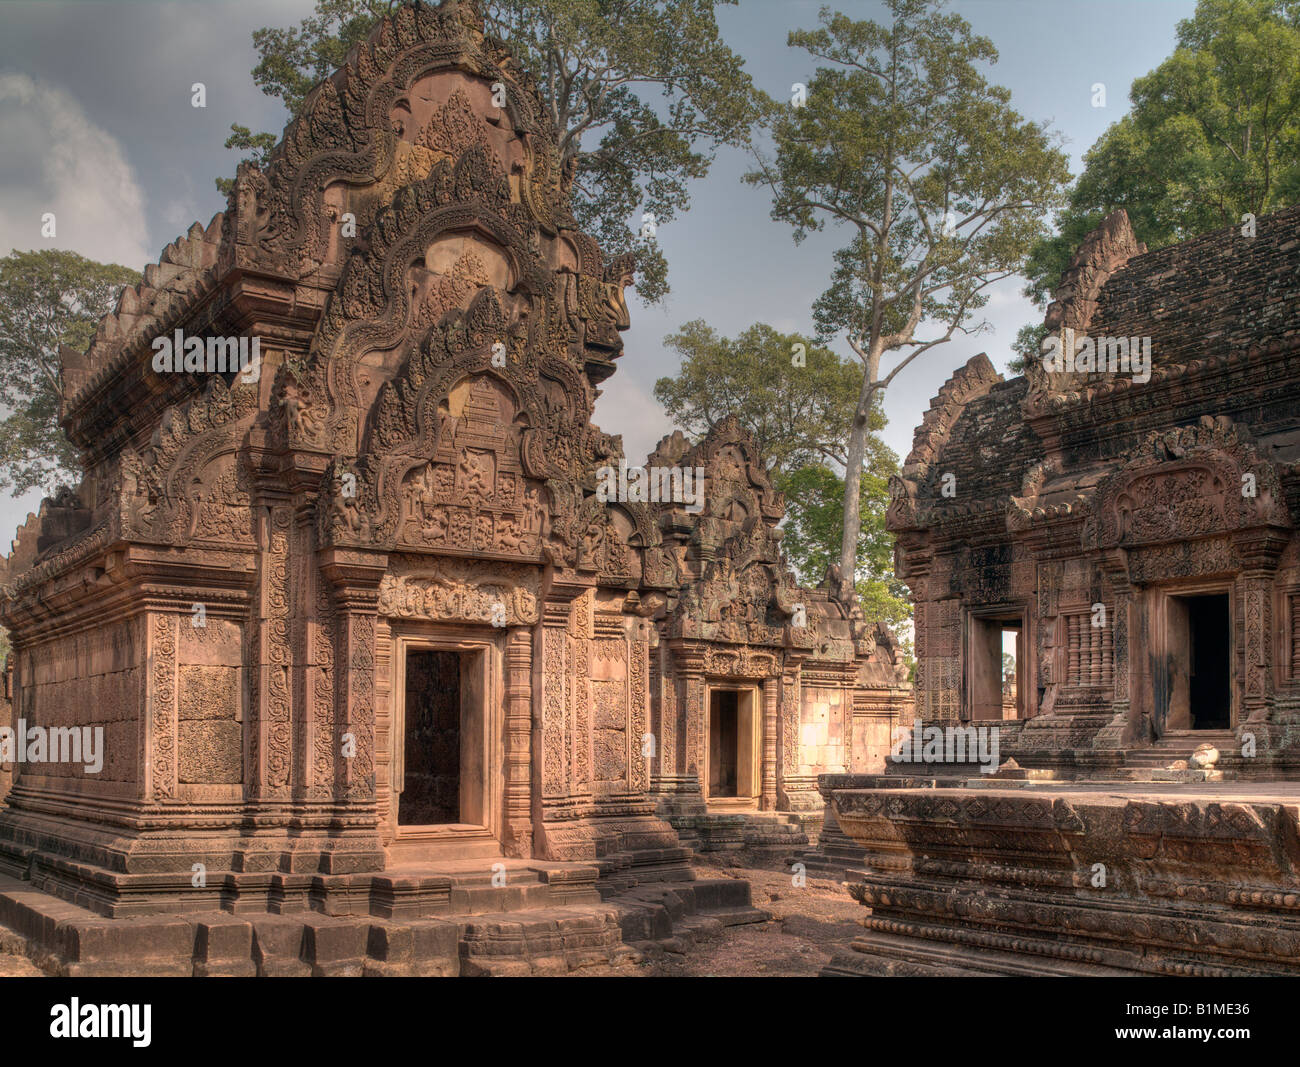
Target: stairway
<point x="455" y="919"/>
<point x="760" y="833"/>
<point x="1152" y="763"/>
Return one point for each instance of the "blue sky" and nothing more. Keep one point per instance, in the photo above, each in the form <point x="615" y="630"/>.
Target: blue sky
<point x="96" y="124"/>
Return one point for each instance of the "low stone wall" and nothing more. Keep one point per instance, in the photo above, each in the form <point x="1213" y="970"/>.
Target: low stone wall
<point x="1038" y="878"/>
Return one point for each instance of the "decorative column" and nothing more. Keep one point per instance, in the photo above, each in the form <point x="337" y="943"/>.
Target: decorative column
<point x="270" y="741"/>
<point x="518" y="749"/>
<point x="676" y="784"/>
<point x="771" y="697"/>
<point x="694" y="725"/>
<point x="1258" y="551"/>
<point x="355" y="575"/>
<point x="561" y="731"/>
<point x="1121" y="730"/>
<point x="162" y="706"/>
<point x="788" y="735"/>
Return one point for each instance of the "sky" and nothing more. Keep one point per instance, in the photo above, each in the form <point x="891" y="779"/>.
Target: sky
<point x="97" y="125"/>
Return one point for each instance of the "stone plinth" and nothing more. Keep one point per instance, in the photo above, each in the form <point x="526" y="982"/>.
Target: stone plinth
<point x="1069" y="879"/>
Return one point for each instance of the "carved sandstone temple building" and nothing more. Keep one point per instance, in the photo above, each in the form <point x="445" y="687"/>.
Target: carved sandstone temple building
<point x="366" y="613"/>
<point x="1138" y="538"/>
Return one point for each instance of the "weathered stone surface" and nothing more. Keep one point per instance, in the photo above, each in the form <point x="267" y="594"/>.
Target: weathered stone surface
<point x="1075" y="879"/>
<point x="1092" y="512"/>
<point x="236" y="589"/>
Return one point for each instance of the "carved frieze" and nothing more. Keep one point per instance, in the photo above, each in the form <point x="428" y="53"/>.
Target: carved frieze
<point x="454" y="590"/>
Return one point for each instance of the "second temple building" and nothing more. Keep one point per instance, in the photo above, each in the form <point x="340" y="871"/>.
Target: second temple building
<point x="1124" y="518"/>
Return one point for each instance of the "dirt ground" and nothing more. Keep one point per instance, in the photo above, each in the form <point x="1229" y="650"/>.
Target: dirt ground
<point x="809" y="925"/>
<point x="13" y="964"/>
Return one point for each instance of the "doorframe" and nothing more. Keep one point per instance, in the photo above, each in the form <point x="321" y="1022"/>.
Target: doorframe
<point x="1011" y="616"/>
<point x="491" y="742"/>
<point x="1209" y="587"/>
<point x="755" y="691"/>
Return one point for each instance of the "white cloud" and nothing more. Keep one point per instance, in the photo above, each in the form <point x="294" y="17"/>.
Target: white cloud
<point x="55" y="159"/>
<point x="624" y="407"/>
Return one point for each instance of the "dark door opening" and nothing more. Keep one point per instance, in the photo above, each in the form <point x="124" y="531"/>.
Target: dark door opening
<point x="724" y="734"/>
<point x="734" y="745"/>
<point x="1210" y="693"/>
<point x="995" y="669"/>
<point x="431" y="750"/>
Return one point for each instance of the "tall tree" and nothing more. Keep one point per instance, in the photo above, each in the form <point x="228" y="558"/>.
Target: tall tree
<point x="815" y="524"/>
<point x="941" y="185"/>
<point x="599" y="65"/>
<point x="797" y="398"/>
<point x="1213" y="135"/>
<point x="48" y="299"/>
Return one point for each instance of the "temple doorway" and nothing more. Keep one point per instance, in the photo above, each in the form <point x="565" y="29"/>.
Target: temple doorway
<point x="440" y="778"/>
<point x="431" y="773"/>
<point x="995" y="667"/>
<point x="1199" y="662"/>
<point x="733" y="771"/>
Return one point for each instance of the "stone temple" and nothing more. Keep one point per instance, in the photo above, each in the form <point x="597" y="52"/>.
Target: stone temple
<point x="1132" y="532"/>
<point x="381" y="682"/>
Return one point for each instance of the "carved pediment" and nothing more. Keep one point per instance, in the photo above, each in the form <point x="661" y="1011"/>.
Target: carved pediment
<point x="1186" y="483"/>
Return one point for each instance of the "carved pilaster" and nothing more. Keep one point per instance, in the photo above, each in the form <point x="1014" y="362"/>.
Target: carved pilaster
<point x="162" y="705"/>
<point x="355" y="575"/>
<point x="1259" y="551"/>
<point x="771" y="699"/>
<point x="1120" y="730"/>
<point x="518" y="756"/>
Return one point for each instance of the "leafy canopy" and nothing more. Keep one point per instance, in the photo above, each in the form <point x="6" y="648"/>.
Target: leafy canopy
<point x="799" y="416"/>
<point x="940" y="185"/>
<point x="1213" y="134"/>
<point x="48" y="299"/>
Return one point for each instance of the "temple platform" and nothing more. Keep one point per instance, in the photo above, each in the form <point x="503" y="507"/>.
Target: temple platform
<point x="459" y="918"/>
<point x="1072" y="878"/>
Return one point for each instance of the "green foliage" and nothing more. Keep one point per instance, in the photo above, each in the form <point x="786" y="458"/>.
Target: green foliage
<point x="1213" y="134"/>
<point x="941" y="186"/>
<point x="815" y="523"/>
<point x="47" y="299"/>
<point x="1027" y="346"/>
<point x="798" y="415"/>
<point x="258" y="144"/>
<point x="595" y="62"/>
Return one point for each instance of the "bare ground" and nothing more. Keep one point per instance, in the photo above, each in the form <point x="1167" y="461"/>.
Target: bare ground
<point x="809" y="925"/>
<point x="13" y="964"/>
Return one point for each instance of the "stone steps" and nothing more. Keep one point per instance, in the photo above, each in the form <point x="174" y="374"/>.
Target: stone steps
<point x="1173" y="748"/>
<point x="541" y="942"/>
<point x="757" y="832"/>
<point x="65" y="939"/>
<point x="1163" y="774"/>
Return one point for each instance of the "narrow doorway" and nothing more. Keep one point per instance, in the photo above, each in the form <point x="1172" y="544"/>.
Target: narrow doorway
<point x="431" y="749"/>
<point x="724" y="763"/>
<point x="995" y="668"/>
<point x="1211" y="695"/>
<point x="733" y="747"/>
<point x="1199" y="645"/>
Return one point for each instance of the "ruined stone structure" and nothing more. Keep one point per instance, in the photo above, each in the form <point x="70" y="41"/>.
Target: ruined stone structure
<point x="353" y="620"/>
<point x="808" y="685"/>
<point x="1138" y="538"/>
